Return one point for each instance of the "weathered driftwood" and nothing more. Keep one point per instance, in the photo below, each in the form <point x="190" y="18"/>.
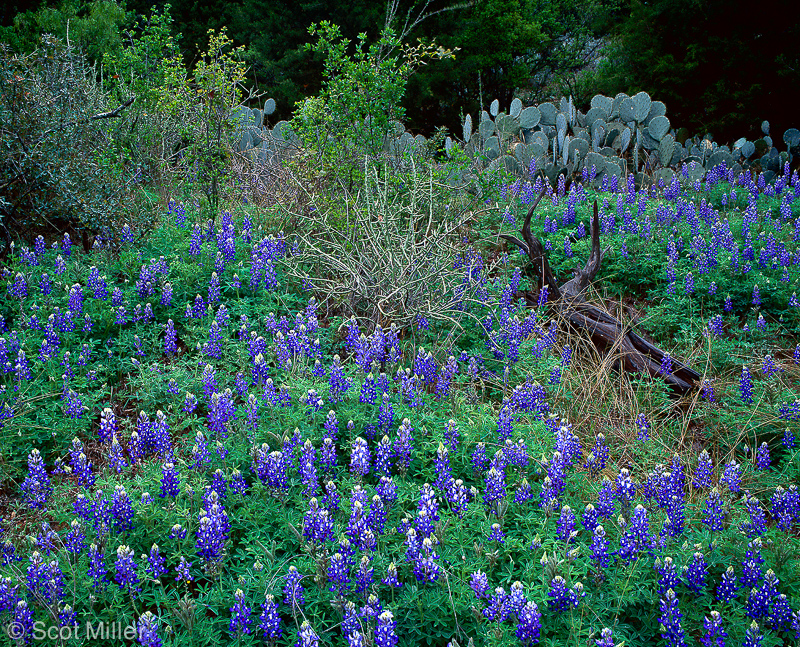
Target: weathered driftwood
<point x="606" y="331"/>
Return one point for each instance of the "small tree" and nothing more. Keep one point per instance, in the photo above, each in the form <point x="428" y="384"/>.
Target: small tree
<point x="204" y="107"/>
<point x="361" y="96"/>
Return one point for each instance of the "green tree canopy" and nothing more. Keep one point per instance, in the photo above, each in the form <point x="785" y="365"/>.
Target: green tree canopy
<point x="93" y="27"/>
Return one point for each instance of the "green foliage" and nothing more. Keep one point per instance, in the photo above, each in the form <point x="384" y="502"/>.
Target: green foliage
<point x="525" y="47"/>
<point x="360" y="100"/>
<point x="92" y="27"/>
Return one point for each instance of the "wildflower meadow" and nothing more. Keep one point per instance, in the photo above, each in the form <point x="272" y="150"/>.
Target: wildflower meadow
<point x="330" y="405"/>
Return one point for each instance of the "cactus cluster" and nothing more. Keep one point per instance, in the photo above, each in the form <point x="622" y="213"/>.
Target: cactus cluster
<point x="253" y="135"/>
<point x="616" y="136"/>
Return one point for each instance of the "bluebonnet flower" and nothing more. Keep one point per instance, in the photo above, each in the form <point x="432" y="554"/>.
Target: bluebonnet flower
<point x="377" y="515"/>
<point x="636" y="535"/>
<point x="762" y="457"/>
<point x="561" y="598"/>
<point x="479" y="583"/>
<point x="75" y="541"/>
<point x="666" y="364"/>
<point x="495" y="488"/>
<point x="497" y="534"/>
<point x="753" y="636"/>
<point x="479" y="458"/>
<point x="695" y="573"/>
<point x="330" y="497"/>
<point x="125" y="567"/>
<point x="108" y="425"/>
<point x="36" y="486"/>
<point x="328" y="455"/>
<point x="529" y="624"/>
<point x="339" y="574"/>
<point x="589" y="518"/>
<point x="293" y="591"/>
<point x="669" y="578"/>
<point x="170" y="484"/>
<point x="708" y="390"/>
<point x="200" y="455"/>
<point x="385" y="413"/>
<point x="358" y="529"/>
<point x="213" y="531"/>
<point x="746" y="386"/>
<point x="240" y="615"/>
<point x="269" y="623"/>
<point x="183" y="570"/>
<point x="385" y="630"/>
<point x="598" y="457"/>
<point x="714" y="633"/>
<point x="22" y="621"/>
<point x="713" y="513"/>
<point x="45" y="284"/>
<point x="147" y="630"/>
<point x="403" y="445"/>
<point x="497" y="610"/>
<point x="365" y="575"/>
<point x="339" y="384"/>
<point x="702" y="475"/>
<point x="66" y="615"/>
<point x="781" y="613"/>
<point x="732" y="476"/>
<point x="524" y="492"/>
<point x="368" y="393"/>
<point x="387" y="489"/>
<point x="96" y="567"/>
<point x="606" y="638"/>
<point x="306" y="636"/>
<point x="727" y="587"/>
<point x="122" y="509"/>
<point x="170" y="338"/>
<point x="566" y="525"/>
<point x="768" y="367"/>
<point x="671" y="630"/>
<point x="689" y="287"/>
<point x="761" y="597"/>
<point x="391" y="579"/>
<point x="189" y="403"/>
<point x="625" y="488"/>
<point x="751" y="566"/>
<point x="237" y="483"/>
<point x="785" y="507"/>
<point x="360" y="457"/>
<point x="155" y="562"/>
<point x="606" y="499"/>
<point x="599" y="547"/>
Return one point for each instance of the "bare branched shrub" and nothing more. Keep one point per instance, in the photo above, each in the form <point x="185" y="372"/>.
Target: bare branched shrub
<point x="57" y="170"/>
<point x="389" y="255"/>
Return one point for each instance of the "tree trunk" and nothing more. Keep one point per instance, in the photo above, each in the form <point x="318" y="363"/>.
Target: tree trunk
<point x="607" y="332"/>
